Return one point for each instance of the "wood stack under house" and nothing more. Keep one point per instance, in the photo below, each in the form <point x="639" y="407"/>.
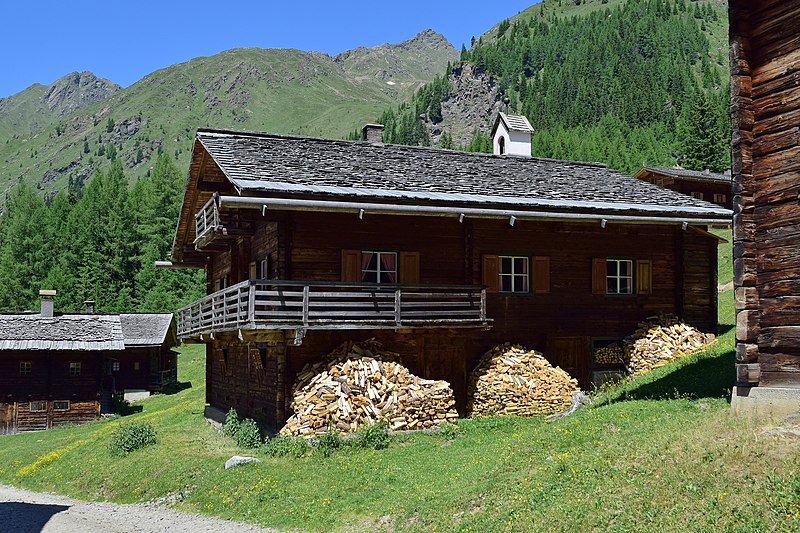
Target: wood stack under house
<point x="438" y="254"/>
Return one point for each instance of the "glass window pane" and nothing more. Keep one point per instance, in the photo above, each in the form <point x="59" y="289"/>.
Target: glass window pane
<point x="520" y="265"/>
<point x="611" y="267"/>
<point x="611" y="285"/>
<point x="505" y="265"/>
<point x="387" y="277"/>
<point x="624" y="285"/>
<point x="505" y="283"/>
<point x="371" y="261"/>
<point x="625" y="268"/>
<point x="389" y="261"/>
<point x="369" y="276"/>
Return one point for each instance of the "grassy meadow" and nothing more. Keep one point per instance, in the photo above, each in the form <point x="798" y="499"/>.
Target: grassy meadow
<point x="658" y="452"/>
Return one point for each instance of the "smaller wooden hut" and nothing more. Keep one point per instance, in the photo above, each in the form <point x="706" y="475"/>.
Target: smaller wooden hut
<point x="703" y="185"/>
<point x="59" y="368"/>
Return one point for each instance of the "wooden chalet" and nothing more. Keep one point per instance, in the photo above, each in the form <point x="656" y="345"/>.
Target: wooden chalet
<point x="438" y="254"/>
<point x="765" y="112"/>
<point x="59" y="368"/>
<point x="703" y="185"/>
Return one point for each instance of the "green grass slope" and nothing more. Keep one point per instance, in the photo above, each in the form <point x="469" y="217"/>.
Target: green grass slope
<point x="658" y="452"/>
<point x="276" y="90"/>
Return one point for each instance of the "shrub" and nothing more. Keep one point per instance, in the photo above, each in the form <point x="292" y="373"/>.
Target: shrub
<point x="448" y="431"/>
<point x="282" y="446"/>
<point x="231" y="425"/>
<point x="130" y="437"/>
<point x="375" y="436"/>
<point x="329" y="442"/>
<point x="248" y="435"/>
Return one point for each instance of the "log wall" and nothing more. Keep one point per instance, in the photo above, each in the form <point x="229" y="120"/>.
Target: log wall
<point x="765" y="112"/>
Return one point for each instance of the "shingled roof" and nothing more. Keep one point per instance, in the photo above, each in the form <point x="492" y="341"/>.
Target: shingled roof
<point x="693" y="175"/>
<point x="513" y="123"/>
<point x="61" y="332"/>
<point x="287" y="166"/>
<point x="152" y="329"/>
<point x="85" y="332"/>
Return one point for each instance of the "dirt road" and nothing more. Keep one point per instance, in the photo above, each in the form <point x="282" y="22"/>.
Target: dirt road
<point x="22" y="511"/>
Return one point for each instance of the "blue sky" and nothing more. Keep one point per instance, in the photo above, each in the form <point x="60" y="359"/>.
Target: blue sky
<point x="125" y="40"/>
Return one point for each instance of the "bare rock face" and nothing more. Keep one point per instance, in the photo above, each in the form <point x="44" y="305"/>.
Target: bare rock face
<point x="473" y="103"/>
<point x="76" y="91"/>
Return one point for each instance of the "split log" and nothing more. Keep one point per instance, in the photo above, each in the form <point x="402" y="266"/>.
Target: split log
<point x="660" y="340"/>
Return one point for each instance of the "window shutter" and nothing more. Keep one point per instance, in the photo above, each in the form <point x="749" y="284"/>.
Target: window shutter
<point x="351" y="265"/>
<point x="599" y="276"/>
<point x="491" y="272"/>
<point x="644" y="277"/>
<point x="541" y="275"/>
<point x="409" y="268"/>
<point x="253" y="274"/>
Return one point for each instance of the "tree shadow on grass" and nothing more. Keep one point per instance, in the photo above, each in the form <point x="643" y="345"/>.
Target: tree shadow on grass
<point x="175" y="388"/>
<point x="710" y="375"/>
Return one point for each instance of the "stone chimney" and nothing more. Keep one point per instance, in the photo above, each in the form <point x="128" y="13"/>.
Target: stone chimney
<point x="372" y="133"/>
<point x="88" y="307"/>
<point x="511" y="135"/>
<point x="47" y="297"/>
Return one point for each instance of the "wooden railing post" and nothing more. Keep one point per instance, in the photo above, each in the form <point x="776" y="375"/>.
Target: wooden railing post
<point x="251" y="303"/>
<point x="306" y="294"/>
<point x="397" y="318"/>
<point x="483" y="305"/>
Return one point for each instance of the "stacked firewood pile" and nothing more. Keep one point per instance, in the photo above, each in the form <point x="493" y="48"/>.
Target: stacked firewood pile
<point x="659" y="341"/>
<point x="362" y="383"/>
<point x="510" y="380"/>
<point x="613" y="354"/>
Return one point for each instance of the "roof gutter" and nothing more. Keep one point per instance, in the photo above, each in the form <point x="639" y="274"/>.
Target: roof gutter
<point x="361" y="208"/>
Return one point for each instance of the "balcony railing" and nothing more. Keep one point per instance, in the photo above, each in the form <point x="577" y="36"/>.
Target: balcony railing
<point x="162" y="378"/>
<point x="210" y="223"/>
<point x="274" y="304"/>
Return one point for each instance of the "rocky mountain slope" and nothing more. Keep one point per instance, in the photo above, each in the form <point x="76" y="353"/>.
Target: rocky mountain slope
<point x="49" y="135"/>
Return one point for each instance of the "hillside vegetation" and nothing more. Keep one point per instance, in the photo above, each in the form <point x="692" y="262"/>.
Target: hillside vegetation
<point x="625" y="83"/>
<point x="276" y="90"/>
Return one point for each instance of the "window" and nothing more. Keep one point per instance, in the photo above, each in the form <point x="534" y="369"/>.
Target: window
<point x="619" y="276"/>
<point x="39" y="406"/>
<point x="513" y="274"/>
<point x="721" y="199"/>
<point x="25" y="368"/>
<point x="136" y="366"/>
<point x="115" y="366"/>
<point x="74" y="369"/>
<point x="262" y="354"/>
<point x="697" y="195"/>
<point x="379" y="267"/>
<point x="501" y="144"/>
<point x="61" y="405"/>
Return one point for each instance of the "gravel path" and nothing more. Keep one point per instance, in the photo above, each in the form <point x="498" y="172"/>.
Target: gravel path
<point x="23" y="511"/>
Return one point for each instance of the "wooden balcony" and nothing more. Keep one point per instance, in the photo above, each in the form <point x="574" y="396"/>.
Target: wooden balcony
<point x="163" y="378"/>
<point x="298" y="305"/>
<point x="211" y="223"/>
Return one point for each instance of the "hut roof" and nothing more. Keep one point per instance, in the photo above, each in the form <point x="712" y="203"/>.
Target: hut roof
<point x="692" y="175"/>
<point x="61" y="332"/>
<point x="148" y="329"/>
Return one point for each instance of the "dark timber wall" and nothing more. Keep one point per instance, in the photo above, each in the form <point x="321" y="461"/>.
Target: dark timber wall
<point x="765" y="110"/>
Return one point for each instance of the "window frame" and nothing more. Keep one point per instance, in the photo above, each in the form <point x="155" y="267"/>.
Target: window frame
<point x="74" y="369"/>
<point x="115" y="366"/>
<point x="526" y="276"/>
<point x="720" y="198"/>
<point x="38" y="403"/>
<point x="56" y="402"/>
<point x="25" y="368"/>
<point x="697" y="195"/>
<point x="378" y="264"/>
<point x="619" y="277"/>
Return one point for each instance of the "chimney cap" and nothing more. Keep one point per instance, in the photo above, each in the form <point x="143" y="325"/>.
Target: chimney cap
<point x="372" y="132"/>
<point x="47" y="293"/>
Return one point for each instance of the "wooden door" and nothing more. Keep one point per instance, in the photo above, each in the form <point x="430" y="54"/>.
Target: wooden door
<point x="571" y="354"/>
<point x="8" y="417"/>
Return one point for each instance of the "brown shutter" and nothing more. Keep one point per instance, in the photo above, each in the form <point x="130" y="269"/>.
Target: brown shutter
<point x="599" y="272"/>
<point x="351" y="265"/>
<point x="541" y="275"/>
<point x="253" y="270"/>
<point x="644" y="277"/>
<point x="409" y="268"/>
<point x="491" y="272"/>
